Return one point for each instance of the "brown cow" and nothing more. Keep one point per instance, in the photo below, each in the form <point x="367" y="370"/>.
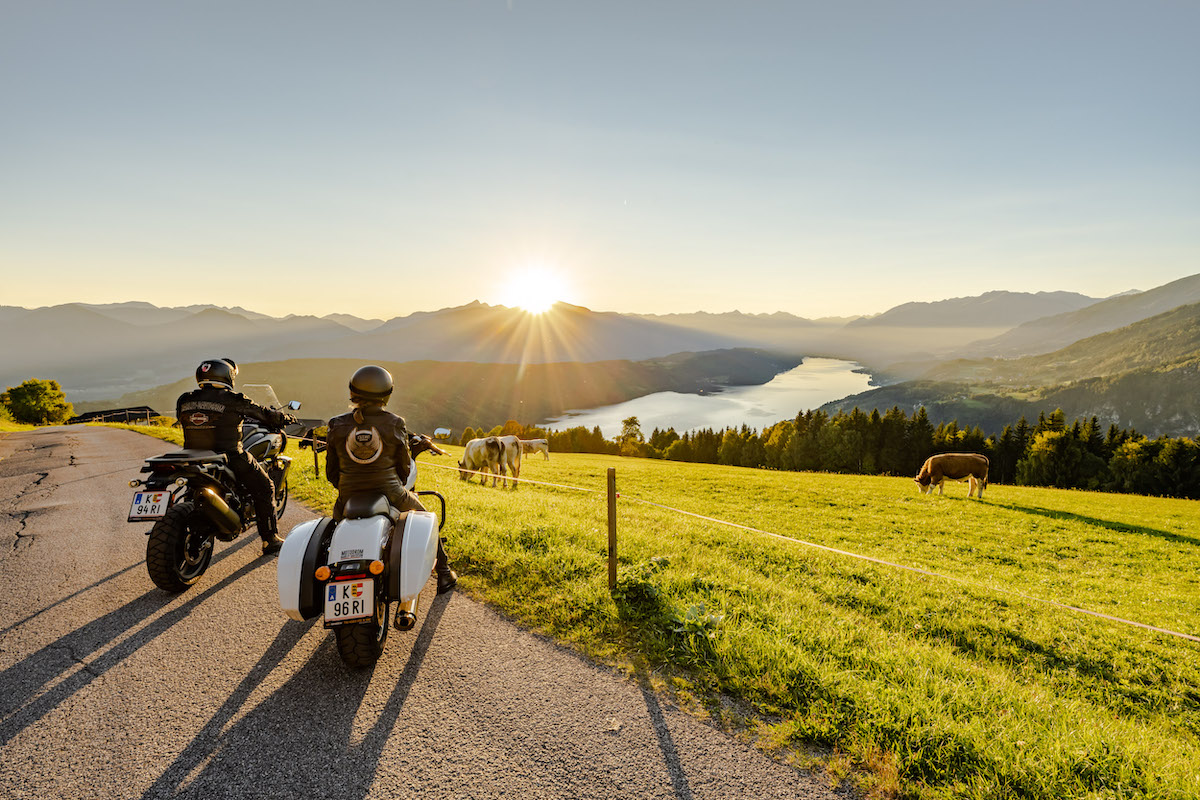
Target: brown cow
<point x="936" y="470"/>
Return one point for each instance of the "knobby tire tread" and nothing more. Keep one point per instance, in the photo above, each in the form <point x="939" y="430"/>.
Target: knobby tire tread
<point x="162" y="546"/>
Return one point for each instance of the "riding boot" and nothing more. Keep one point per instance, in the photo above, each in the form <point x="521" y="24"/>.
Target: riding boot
<point x="446" y="577"/>
<point x="271" y="540"/>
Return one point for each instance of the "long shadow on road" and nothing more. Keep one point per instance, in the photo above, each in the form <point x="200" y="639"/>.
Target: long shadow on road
<point x="297" y="742"/>
<point x="666" y="742"/>
<point x="71" y="596"/>
<point x="25" y="679"/>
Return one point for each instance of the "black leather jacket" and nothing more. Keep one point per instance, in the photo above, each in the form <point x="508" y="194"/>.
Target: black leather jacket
<point x="369" y="456"/>
<point x="211" y="417"/>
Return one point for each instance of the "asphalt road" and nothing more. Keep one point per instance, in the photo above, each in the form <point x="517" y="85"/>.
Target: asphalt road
<point x="111" y="688"/>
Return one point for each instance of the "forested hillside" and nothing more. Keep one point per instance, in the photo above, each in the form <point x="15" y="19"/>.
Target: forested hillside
<point x="1144" y="376"/>
<point x="1159" y="342"/>
<point x="433" y="394"/>
<point x="1054" y="332"/>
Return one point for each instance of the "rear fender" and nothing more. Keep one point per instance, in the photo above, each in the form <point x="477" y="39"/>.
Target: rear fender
<point x="360" y="539"/>
<point x="411" y="562"/>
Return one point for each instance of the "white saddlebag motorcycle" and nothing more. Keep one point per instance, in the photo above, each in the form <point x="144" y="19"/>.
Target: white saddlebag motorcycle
<point x="352" y="572"/>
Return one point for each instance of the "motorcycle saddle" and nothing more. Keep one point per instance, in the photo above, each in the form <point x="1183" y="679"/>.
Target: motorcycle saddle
<point x="195" y="456"/>
<point x="361" y="506"/>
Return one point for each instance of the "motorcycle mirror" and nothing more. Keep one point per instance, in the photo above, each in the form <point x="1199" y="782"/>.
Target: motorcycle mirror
<point x="294" y="405"/>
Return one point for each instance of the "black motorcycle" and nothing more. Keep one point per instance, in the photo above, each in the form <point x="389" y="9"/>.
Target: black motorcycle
<point x="194" y="499"/>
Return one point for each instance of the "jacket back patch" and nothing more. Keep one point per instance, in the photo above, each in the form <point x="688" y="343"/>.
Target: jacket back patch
<point x="364" y="445"/>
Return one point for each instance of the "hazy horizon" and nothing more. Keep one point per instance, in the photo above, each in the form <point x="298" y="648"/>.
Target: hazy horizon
<point x="477" y="301"/>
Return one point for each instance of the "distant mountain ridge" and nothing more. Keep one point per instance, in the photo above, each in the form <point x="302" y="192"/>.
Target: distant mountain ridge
<point x="94" y="354"/>
<point x="1159" y="342"/>
<point x="997" y="309"/>
<point x="1145" y="375"/>
<point x="102" y="350"/>
<point x="1051" y="333"/>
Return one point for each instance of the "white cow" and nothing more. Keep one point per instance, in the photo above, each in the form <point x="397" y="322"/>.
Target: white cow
<point x="511" y="457"/>
<point x="482" y="456"/>
<point x="536" y="445"/>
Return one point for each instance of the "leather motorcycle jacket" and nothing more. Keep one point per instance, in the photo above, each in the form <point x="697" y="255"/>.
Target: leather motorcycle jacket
<point x="368" y="456"/>
<point x="211" y="417"/>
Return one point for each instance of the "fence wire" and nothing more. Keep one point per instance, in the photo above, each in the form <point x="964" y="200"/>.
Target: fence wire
<point x="860" y="557"/>
<point x="826" y="548"/>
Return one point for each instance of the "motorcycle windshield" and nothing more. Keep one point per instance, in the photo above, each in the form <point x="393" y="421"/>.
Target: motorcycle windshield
<point x="261" y="393"/>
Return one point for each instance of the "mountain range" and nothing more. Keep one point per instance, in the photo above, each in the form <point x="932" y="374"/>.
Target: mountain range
<point x="1145" y="375"/>
<point x="1051" y="332"/>
<point x="995" y="343"/>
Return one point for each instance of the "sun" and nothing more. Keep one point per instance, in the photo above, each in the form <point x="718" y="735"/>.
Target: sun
<point x="534" y="288"/>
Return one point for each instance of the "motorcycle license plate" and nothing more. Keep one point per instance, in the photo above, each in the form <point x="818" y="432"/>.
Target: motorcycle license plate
<point x="348" y="601"/>
<point x="149" y="505"/>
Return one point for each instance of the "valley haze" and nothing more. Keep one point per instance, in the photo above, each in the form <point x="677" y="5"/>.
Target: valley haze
<point x="107" y="355"/>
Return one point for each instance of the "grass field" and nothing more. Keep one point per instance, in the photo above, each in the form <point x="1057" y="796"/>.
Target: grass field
<point x="931" y="687"/>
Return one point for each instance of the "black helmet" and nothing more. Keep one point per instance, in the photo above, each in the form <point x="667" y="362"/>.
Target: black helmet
<point x="216" y="371"/>
<point x="371" y="383"/>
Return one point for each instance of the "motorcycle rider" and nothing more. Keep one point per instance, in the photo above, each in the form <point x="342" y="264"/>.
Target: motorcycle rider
<point x="211" y="417"/>
<point x="367" y="451"/>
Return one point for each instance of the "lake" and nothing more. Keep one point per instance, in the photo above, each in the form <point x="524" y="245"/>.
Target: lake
<point x="815" y="382"/>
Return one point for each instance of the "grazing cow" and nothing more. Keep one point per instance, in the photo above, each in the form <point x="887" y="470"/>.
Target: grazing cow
<point x="482" y="456"/>
<point x="535" y="445"/>
<point x="936" y="470"/>
<point x="511" y="457"/>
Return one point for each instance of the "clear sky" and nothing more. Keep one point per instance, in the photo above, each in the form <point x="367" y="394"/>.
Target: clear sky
<point x="379" y="158"/>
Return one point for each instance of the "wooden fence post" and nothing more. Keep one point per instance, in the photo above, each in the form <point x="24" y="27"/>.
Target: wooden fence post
<point x="612" y="528"/>
<point x="313" y="444"/>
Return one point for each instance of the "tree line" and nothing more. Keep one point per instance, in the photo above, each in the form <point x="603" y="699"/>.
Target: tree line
<point x="1050" y="452"/>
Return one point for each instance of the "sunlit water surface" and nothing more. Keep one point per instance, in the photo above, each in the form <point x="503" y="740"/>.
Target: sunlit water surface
<point x="815" y="382"/>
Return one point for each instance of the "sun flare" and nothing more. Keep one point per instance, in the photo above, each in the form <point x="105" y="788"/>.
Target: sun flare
<point x="534" y="289"/>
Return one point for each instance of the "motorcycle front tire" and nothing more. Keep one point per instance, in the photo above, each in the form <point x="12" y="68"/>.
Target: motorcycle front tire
<point x="180" y="548"/>
<point x="281" y="498"/>
<point x="361" y="643"/>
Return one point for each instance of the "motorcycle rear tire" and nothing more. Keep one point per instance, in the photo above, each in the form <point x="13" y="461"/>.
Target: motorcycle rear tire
<point x="180" y="548"/>
<point x="361" y="643"/>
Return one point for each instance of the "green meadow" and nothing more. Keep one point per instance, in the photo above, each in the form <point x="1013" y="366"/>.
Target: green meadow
<point x="959" y="684"/>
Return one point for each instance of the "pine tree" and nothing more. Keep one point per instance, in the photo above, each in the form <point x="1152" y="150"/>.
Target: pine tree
<point x="920" y="440"/>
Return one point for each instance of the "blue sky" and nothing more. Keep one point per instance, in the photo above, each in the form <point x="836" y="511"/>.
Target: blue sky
<point x="379" y="158"/>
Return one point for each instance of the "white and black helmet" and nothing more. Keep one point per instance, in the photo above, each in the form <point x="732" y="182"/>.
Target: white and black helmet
<point x="371" y="383"/>
<point x="217" y="372"/>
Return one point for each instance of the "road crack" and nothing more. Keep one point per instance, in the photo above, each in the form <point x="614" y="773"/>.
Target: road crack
<point x="84" y="665"/>
<point x="22" y="539"/>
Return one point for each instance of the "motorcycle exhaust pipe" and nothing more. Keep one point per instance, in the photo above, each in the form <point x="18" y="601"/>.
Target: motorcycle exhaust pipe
<point x="406" y="615"/>
<point x="218" y="512"/>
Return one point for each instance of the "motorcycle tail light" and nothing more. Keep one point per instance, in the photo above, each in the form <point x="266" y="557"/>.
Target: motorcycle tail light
<point x="322" y="573"/>
<point x="376" y="568"/>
